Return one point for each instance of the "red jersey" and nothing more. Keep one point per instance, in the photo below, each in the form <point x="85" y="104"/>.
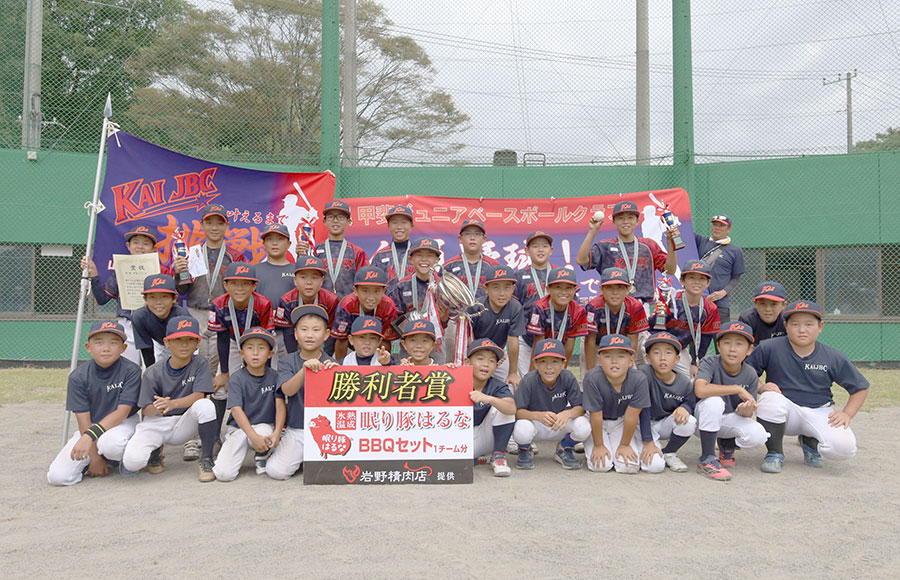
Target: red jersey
<point x="349" y="309"/>
<point x="291" y="299"/>
<point x="544" y="321"/>
<point x="631" y="313"/>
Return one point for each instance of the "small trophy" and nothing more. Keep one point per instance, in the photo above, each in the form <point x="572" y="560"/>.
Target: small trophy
<point x="663" y="293"/>
<point x="179" y="248"/>
<point x="671" y="223"/>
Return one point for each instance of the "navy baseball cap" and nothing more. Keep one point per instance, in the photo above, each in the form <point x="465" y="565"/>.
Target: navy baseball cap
<point x="366" y="325"/>
<point x="180" y="326"/>
<point x="662" y="338"/>
<point x="140" y="231"/>
<point x="110" y="326"/>
<point x="399" y="210"/>
<point x="739" y="328"/>
<point x="214" y="209"/>
<point x="159" y="283"/>
<point x="306" y="310"/>
<point x="770" y="290"/>
<point x="484" y="344"/>
<point x="424" y="244"/>
<point x="338" y="205"/>
<point x="696" y="267"/>
<point x="538" y="234"/>
<point x="418" y="327"/>
<point x="806" y="306"/>
<point x="259" y="332"/>
<point x="721" y="218"/>
<point x="615" y="342"/>
<point x="370" y="276"/>
<point x="309" y="263"/>
<point x="473" y="222"/>
<point x="562" y="275"/>
<point x="276" y="228"/>
<point x="240" y="271"/>
<point x="548" y="347"/>
<point x="499" y="274"/>
<point x="614" y="276"/>
<point x="625" y="207"/>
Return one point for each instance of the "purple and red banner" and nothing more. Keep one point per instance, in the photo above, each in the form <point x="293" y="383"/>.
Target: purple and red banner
<point x="150" y="186"/>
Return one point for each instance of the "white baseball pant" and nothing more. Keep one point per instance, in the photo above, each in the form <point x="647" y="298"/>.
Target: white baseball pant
<point x="683" y="364"/>
<point x="836" y="443"/>
<point x="527" y="431"/>
<point x="131" y="353"/>
<point x="160" y="430"/>
<point x="483" y="435"/>
<point x="664" y="428"/>
<point x="160" y="351"/>
<point x="234" y="450"/>
<point x="207" y="348"/>
<point x="524" y="362"/>
<point x="613" y="430"/>
<point x="66" y="471"/>
<point x="287" y="457"/>
<point x="711" y="416"/>
<point x="502" y="372"/>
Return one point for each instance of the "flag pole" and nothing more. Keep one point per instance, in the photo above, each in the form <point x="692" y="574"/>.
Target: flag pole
<point x="92" y="208"/>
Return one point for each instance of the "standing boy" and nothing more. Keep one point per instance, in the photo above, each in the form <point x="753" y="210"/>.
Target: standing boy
<point x="150" y="321"/>
<point x="174" y="405"/>
<point x="726" y="261"/>
<point x="409" y="293"/>
<point x="472" y="264"/>
<point x="494" y="408"/>
<point x="309" y="275"/>
<point x="394" y="258"/>
<point x="615" y="396"/>
<point x="502" y="321"/>
<point x="769" y="300"/>
<point x="613" y="312"/>
<point x="796" y="399"/>
<point x="557" y="315"/>
<point x="276" y="274"/>
<point x="310" y="330"/>
<point x="342" y="259"/>
<point x="367" y="298"/>
<point x="103" y="394"/>
<point x="138" y="240"/>
<point x="695" y="321"/>
<point x="531" y="285"/>
<point x="726" y="387"/>
<point x="548" y="407"/>
<point x="257" y="407"/>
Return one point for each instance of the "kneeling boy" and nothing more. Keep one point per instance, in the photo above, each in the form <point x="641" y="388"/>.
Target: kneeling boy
<point x="494" y="406"/>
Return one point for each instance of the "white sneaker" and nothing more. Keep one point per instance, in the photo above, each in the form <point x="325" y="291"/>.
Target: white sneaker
<point x="512" y="446"/>
<point x="498" y="464"/>
<point x="675" y="463"/>
<point x="192" y="450"/>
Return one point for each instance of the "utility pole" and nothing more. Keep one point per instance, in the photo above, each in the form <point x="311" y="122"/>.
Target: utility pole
<point x="351" y="153"/>
<point x="683" y="95"/>
<point x="329" y="155"/>
<point x="642" y="96"/>
<point x="841" y="79"/>
<point x="31" y="93"/>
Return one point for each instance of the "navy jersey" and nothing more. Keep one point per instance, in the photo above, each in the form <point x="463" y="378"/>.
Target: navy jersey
<point x="220" y="317"/>
<point x="149" y="329"/>
<point x="494" y="388"/>
<point x="274" y="281"/>
<point x="631" y="313"/>
<point x="666" y="397"/>
<point x="254" y="395"/>
<point x="526" y="290"/>
<point x="99" y="391"/>
<point x="534" y="395"/>
<point x="384" y="259"/>
<point x="600" y="396"/>
<point x="354" y="259"/>
<point x="287" y="368"/>
<point x="806" y="380"/>
<point x="401" y="293"/>
<point x="729" y="264"/>
<point x="161" y="380"/>
<point x="455" y="266"/>
<point x="109" y="290"/>
<point x="538" y="324"/>
<point x="710" y="369"/>
<point x="499" y="326"/>
<point x="650" y="257"/>
<point x="761" y="329"/>
<point x="197" y="290"/>
<point x="349" y="310"/>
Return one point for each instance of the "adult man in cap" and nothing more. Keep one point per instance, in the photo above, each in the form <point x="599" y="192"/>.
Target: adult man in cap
<point x="726" y="260"/>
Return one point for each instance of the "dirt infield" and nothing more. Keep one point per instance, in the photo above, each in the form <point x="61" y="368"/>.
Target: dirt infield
<point x="548" y="523"/>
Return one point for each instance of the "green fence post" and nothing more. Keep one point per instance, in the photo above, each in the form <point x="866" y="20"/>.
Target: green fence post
<point x="683" y="94"/>
<point x="330" y="152"/>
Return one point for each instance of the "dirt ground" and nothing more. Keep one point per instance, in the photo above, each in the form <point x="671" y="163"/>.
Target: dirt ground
<point x="548" y="523"/>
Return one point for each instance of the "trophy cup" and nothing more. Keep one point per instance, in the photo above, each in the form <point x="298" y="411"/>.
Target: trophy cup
<point x="664" y="294"/>
<point x="180" y="250"/>
<point x="671" y="223"/>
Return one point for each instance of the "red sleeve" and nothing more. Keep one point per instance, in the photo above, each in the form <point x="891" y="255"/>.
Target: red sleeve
<point x="361" y="259"/>
<point x="216" y="316"/>
<point x="659" y="256"/>
<point x="266" y="317"/>
<point x="580" y="326"/>
<point x="711" y="324"/>
<point x="237" y="256"/>
<point x="639" y="321"/>
<point x="535" y="321"/>
<point x="388" y="316"/>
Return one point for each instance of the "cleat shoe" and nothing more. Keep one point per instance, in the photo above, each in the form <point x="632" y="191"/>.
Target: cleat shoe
<point x="205" y="469"/>
<point x="726" y="457"/>
<point x="534" y="449"/>
<point x="482" y="460"/>
<point x="773" y="463"/>
<point x="260" y="459"/>
<point x="191" y="450"/>
<point x="674" y="462"/>
<point x="811" y="456"/>
<point x="525" y="460"/>
<point x="125" y="472"/>
<point x="512" y="446"/>
<point x="499" y="466"/>
<point x="711" y="468"/>
<point x="566" y="458"/>
<point x="579" y="448"/>
<point x="156" y="464"/>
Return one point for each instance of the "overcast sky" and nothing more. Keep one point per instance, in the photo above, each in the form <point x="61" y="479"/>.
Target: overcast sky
<point x="558" y="78"/>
